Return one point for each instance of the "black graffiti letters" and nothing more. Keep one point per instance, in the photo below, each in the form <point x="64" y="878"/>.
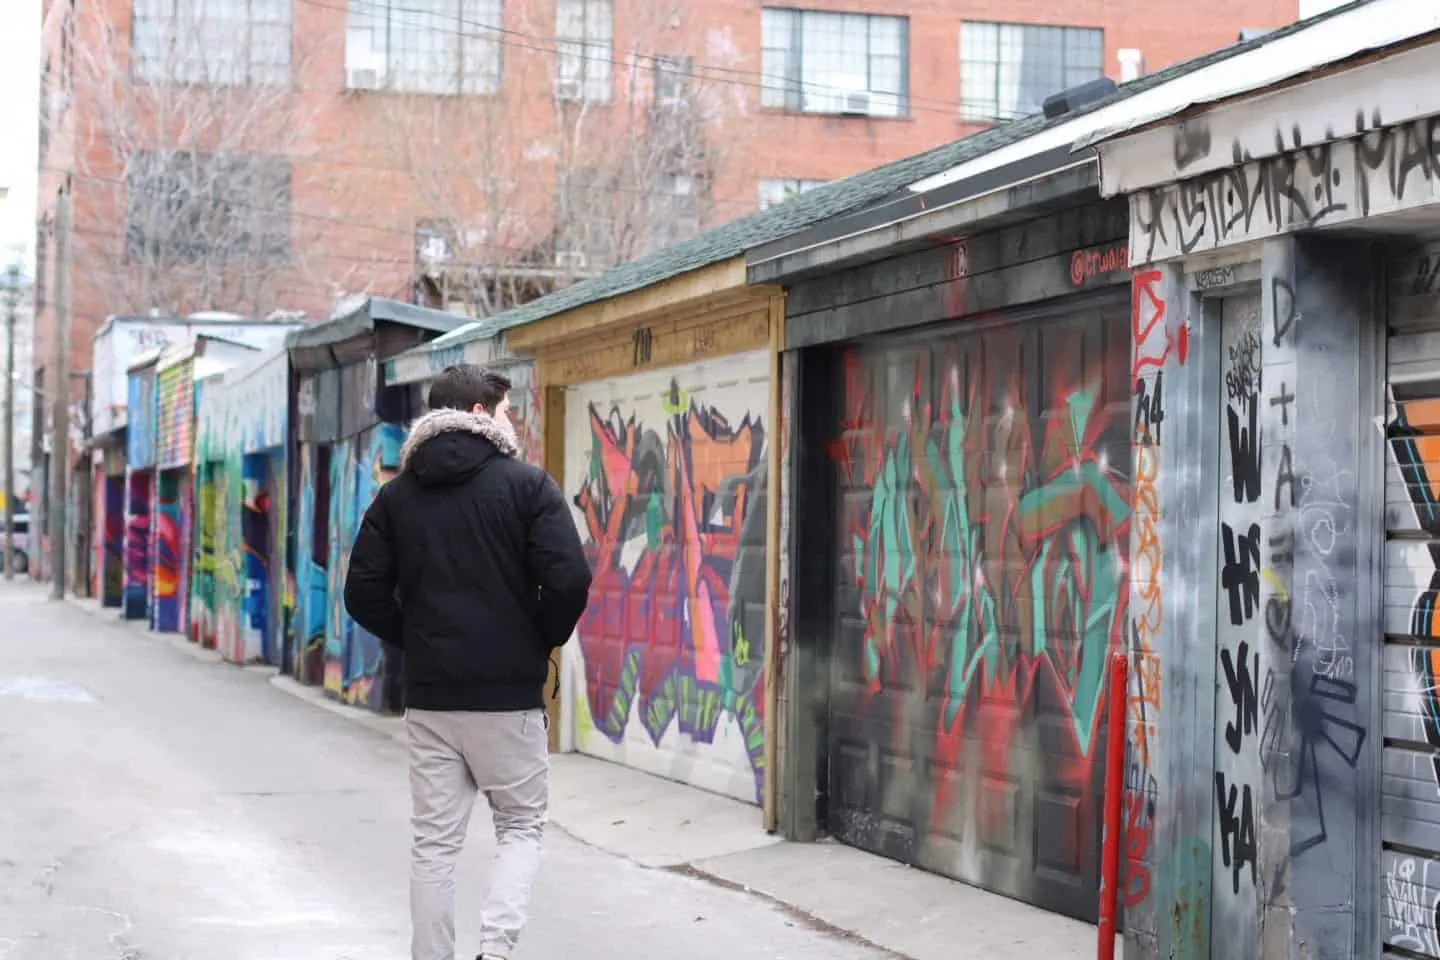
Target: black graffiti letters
<point x="1282" y="309"/>
<point x="1237" y="833"/>
<point x="1241" y="574"/>
<point x="1244" y="451"/>
<point x="1283" y="399"/>
<point x="1285" y="477"/>
<point x="1240" y="678"/>
<point x="1242" y="377"/>
<point x="1427" y="275"/>
<point x="1149" y="408"/>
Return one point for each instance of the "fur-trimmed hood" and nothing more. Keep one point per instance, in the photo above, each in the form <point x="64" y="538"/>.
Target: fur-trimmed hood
<point x="499" y="431"/>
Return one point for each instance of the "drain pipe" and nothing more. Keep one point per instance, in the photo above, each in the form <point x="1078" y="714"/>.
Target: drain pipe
<point x="1114" y="798"/>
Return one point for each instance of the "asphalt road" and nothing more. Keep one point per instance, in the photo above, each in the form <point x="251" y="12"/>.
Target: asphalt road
<point x="154" y="806"/>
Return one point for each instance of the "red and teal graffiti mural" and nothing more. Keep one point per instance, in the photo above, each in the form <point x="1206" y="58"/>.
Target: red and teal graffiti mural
<point x="672" y="512"/>
<point x="172" y="523"/>
<point x="983" y="500"/>
<point x="112" y="543"/>
<point x="354" y="660"/>
<point x="136" y="594"/>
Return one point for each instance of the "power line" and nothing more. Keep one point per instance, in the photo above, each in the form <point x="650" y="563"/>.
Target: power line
<point x="753" y="79"/>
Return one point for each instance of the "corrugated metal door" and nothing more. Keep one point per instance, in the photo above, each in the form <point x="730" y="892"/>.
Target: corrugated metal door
<point x="1410" y="864"/>
<point x="982" y="521"/>
<point x="666" y="472"/>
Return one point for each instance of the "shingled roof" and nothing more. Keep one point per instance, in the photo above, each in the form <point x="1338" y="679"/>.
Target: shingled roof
<point x="832" y="199"/>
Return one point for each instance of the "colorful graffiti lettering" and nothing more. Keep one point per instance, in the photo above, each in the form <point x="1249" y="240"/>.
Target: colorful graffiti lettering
<point x="354" y="660"/>
<point x="673" y="533"/>
<point x="136" y="599"/>
<point x="1154" y="345"/>
<point x="985" y="502"/>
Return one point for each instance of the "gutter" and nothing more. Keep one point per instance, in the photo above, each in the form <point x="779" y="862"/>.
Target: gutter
<point x="1054" y="179"/>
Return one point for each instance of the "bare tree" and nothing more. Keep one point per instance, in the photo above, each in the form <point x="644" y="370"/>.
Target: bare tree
<point x="576" y="157"/>
<point x="195" y="128"/>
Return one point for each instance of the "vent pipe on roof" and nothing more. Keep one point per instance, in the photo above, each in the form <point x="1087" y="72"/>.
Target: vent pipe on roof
<point x="1068" y="101"/>
<point x="1132" y="64"/>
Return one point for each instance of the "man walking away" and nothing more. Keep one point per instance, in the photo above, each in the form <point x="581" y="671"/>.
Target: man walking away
<point x="469" y="560"/>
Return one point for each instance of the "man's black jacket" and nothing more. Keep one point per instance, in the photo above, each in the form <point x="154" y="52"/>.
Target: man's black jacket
<point x="469" y="560"/>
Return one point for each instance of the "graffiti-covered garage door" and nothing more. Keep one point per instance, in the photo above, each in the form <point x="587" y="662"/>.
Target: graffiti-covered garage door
<point x="666" y="474"/>
<point x="1410" y="822"/>
<point x="982" y="516"/>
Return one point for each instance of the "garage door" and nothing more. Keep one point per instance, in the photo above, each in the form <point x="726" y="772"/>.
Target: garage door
<point x="666" y="475"/>
<point x="1410" y="862"/>
<point x="982" y="526"/>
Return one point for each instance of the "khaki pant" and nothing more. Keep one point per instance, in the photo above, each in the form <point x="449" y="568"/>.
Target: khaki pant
<point x="453" y="756"/>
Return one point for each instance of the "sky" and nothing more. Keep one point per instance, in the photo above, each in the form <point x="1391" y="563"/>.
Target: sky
<point x="19" y="123"/>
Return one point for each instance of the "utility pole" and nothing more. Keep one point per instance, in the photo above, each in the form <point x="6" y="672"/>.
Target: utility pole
<point x="12" y="304"/>
<point x="60" y="387"/>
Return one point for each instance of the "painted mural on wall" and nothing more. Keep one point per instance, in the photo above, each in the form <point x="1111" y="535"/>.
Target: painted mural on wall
<point x="307" y="623"/>
<point x="136" y="600"/>
<point x="1410" y="888"/>
<point x="175" y="414"/>
<point x="172" y="525"/>
<point x="666" y="473"/>
<point x="259" y="545"/>
<point x="241" y="423"/>
<point x="112" y="541"/>
<point x="359" y="466"/>
<point x="983" y="499"/>
<point x="140" y="437"/>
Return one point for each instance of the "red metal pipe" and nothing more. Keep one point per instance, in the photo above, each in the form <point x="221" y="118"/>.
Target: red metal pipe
<point x="1114" y="801"/>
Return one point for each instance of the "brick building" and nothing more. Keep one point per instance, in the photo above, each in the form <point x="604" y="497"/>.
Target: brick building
<point x="255" y="155"/>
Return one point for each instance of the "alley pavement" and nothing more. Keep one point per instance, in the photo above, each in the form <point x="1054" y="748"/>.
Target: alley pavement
<point x="157" y="805"/>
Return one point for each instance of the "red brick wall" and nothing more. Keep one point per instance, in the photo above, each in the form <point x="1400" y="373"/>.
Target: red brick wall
<point x="356" y="159"/>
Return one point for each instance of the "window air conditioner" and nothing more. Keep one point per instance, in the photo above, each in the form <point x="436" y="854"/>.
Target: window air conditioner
<point x="567" y="88"/>
<point x="855" y="103"/>
<point x="362" y="78"/>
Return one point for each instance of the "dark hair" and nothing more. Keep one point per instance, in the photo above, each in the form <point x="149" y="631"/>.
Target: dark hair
<point x="462" y="386"/>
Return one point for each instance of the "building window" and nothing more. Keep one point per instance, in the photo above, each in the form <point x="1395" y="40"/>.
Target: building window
<point x="674" y="76"/>
<point x="1008" y="69"/>
<point x="211" y="42"/>
<point x="200" y="208"/>
<point x="678" y="204"/>
<point x="839" y="63"/>
<point x="775" y="192"/>
<point x="584" y="40"/>
<point x="424" y="46"/>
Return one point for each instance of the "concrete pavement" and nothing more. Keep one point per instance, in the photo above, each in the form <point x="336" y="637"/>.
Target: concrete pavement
<point x="158" y="805"/>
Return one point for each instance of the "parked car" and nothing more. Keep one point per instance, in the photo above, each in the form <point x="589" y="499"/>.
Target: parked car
<point x="21" y="528"/>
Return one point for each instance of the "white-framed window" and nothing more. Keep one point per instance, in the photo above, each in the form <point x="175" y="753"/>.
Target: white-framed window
<point x="424" y="46"/>
<point x="677" y="210"/>
<point x="584" y="42"/>
<point x="777" y="191"/>
<point x="674" y="78"/>
<point x="211" y="42"/>
<point x="838" y="63"/>
<point x="1008" y="69"/>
